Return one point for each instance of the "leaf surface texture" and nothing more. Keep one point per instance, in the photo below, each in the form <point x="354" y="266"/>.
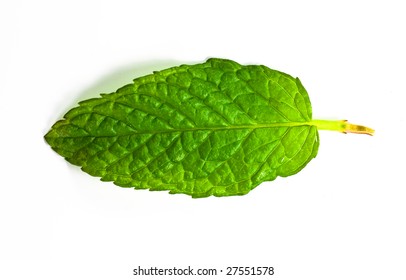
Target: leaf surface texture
<point x="217" y="128"/>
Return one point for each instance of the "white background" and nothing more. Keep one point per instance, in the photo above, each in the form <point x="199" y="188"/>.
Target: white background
<point x="342" y="217"/>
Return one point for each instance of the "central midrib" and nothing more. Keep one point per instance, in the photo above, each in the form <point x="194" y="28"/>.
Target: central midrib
<point x="219" y="128"/>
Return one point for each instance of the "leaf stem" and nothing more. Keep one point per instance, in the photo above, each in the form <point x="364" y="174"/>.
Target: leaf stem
<point x="342" y="126"/>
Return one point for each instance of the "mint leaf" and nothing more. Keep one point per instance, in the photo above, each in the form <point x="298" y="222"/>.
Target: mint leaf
<point x="216" y="128"/>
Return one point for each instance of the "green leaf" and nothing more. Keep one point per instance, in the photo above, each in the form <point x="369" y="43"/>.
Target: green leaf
<point x="216" y="128"/>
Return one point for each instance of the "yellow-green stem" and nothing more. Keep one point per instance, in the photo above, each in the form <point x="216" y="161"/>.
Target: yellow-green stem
<point x="342" y="126"/>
